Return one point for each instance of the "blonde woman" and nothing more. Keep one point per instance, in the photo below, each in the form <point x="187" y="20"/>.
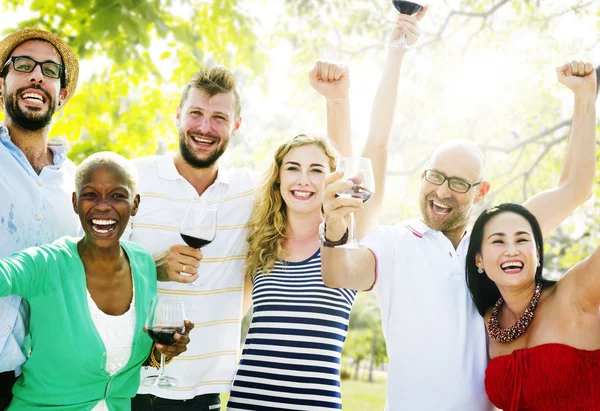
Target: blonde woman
<point x="291" y="356"/>
<point x="293" y="349"/>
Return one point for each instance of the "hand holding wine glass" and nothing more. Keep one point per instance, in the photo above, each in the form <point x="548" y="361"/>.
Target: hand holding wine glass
<point x="179" y="264"/>
<point x="359" y="171"/>
<point x="407" y="32"/>
<point x="167" y="327"/>
<point x="198" y="228"/>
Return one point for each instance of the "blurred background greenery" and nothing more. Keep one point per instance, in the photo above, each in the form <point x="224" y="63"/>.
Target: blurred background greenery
<point x="483" y="70"/>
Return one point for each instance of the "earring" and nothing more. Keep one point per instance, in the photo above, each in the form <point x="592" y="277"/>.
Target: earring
<point x="538" y="263"/>
<point x="480" y="270"/>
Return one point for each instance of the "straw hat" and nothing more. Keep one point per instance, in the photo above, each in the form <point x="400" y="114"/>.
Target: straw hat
<point x="12" y="41"/>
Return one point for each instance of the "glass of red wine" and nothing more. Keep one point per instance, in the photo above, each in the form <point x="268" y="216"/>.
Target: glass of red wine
<point x="409" y="8"/>
<point x="199" y="227"/>
<point x="360" y="172"/>
<point x="165" y="319"/>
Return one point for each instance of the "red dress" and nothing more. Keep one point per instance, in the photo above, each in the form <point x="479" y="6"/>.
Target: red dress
<point x="545" y="377"/>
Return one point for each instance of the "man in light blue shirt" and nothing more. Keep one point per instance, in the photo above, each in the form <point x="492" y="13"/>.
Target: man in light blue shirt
<point x="38" y="75"/>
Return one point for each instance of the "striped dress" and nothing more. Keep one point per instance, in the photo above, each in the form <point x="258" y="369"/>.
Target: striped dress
<point x="291" y="356"/>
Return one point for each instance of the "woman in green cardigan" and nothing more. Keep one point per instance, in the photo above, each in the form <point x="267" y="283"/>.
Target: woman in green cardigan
<point x="89" y="299"/>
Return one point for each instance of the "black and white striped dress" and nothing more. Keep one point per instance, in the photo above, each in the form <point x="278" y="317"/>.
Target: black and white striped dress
<point x="291" y="356"/>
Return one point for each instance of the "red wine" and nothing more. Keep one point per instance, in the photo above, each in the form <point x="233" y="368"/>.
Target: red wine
<point x="407" y="7"/>
<point x="164" y="335"/>
<point x="357" y="192"/>
<point x="195" y="242"/>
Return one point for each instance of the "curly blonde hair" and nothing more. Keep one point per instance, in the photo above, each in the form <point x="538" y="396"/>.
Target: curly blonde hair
<point x="269" y="219"/>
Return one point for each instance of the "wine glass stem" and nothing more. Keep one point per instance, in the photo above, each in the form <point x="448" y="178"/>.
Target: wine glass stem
<point x="402" y="39"/>
<point x="161" y="373"/>
<point x="351" y="230"/>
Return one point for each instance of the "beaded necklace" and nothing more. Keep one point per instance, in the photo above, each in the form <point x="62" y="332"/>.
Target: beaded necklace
<point x="519" y="327"/>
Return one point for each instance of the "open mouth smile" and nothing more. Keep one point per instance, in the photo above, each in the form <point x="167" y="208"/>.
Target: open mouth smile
<point x="103" y="227"/>
<point x="512" y="267"/>
<point x="439" y="208"/>
<point x="33" y="97"/>
<point x="301" y="194"/>
<point x="203" y="141"/>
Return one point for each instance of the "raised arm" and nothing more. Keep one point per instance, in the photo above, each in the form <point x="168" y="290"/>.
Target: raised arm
<point x="552" y="206"/>
<point x="332" y="81"/>
<point x="583" y="282"/>
<point x="355" y="268"/>
<point x="382" y="115"/>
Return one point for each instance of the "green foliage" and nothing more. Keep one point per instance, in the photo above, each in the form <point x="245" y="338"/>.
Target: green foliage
<point x="107" y="113"/>
<point x="130" y="106"/>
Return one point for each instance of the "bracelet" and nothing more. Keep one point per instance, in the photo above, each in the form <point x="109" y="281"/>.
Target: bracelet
<point x="326" y="243"/>
<point x="154" y="362"/>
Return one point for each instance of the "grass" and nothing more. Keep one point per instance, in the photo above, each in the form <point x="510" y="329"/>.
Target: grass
<point x="356" y="396"/>
<point x="361" y="395"/>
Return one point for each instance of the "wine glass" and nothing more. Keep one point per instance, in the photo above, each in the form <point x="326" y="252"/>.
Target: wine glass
<point x="165" y="318"/>
<point x="199" y="227"/>
<point x="360" y="172"/>
<point x="409" y="8"/>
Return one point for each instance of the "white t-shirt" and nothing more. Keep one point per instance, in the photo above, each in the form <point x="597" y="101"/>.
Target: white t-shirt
<point x="210" y="362"/>
<point x="435" y="337"/>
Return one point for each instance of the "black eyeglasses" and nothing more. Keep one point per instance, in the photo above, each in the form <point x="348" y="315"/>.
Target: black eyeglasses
<point x="27" y="65"/>
<point x="454" y="184"/>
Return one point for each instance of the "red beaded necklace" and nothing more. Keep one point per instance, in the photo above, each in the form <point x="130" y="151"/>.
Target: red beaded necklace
<point x="519" y="327"/>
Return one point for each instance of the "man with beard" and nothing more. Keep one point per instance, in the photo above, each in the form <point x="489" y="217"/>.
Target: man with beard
<point x="436" y="339"/>
<point x="210" y="282"/>
<point x="39" y="74"/>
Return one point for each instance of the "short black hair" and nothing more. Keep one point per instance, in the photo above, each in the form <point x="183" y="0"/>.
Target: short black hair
<point x="484" y="291"/>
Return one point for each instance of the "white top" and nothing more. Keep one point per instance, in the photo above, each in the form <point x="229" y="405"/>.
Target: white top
<point x="209" y="364"/>
<point x="435" y="337"/>
<point x="116" y="332"/>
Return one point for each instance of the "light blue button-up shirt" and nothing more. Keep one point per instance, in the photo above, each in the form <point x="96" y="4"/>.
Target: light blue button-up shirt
<point x="34" y="210"/>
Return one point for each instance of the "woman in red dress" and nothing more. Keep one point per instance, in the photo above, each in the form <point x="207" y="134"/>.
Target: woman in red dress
<point x="544" y="335"/>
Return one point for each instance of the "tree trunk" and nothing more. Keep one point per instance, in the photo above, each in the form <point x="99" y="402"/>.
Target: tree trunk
<point x="356" y="366"/>
<point x="373" y="352"/>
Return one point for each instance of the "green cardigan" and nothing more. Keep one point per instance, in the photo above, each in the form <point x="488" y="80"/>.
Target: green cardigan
<point x="66" y="368"/>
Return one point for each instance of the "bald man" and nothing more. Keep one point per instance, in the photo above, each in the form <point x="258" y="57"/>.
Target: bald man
<point x="436" y="340"/>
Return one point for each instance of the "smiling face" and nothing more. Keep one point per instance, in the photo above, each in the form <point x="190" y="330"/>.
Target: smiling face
<point x="30" y="99"/>
<point x="205" y="124"/>
<point x="104" y="202"/>
<point x="443" y="209"/>
<point x="301" y="178"/>
<point x="509" y="253"/>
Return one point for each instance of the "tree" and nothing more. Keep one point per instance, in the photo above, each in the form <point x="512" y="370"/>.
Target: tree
<point x="129" y="107"/>
<point x="365" y="339"/>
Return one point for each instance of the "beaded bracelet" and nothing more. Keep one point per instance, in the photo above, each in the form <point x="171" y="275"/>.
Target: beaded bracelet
<point x="154" y="362"/>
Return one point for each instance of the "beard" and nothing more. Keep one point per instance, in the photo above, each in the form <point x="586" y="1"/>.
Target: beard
<point x="29" y="120"/>
<point x="190" y="157"/>
<point x="458" y="215"/>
